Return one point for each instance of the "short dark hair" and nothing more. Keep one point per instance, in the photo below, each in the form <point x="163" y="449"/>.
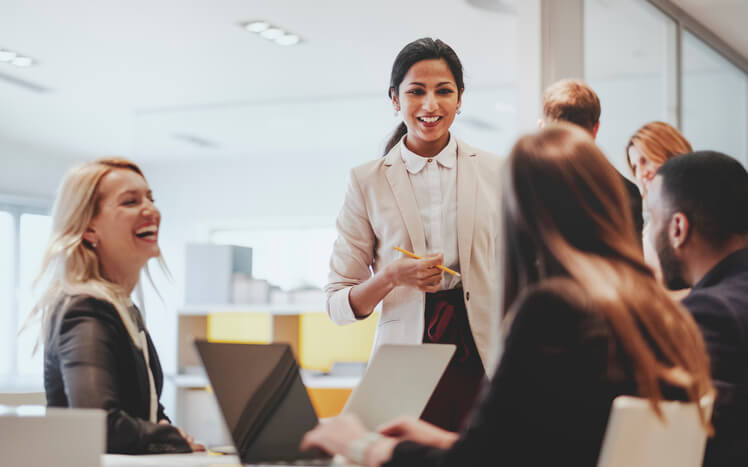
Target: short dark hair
<point x="573" y="101"/>
<point x="711" y="189"/>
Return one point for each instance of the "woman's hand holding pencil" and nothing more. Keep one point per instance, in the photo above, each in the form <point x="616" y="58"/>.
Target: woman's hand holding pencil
<point x="415" y="256"/>
<point x="423" y="273"/>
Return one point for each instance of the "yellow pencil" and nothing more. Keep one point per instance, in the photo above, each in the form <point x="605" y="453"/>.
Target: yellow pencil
<point x="412" y="255"/>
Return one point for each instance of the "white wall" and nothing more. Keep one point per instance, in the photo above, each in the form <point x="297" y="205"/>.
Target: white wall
<point x="30" y="171"/>
<point x="627" y="103"/>
<point x="195" y="196"/>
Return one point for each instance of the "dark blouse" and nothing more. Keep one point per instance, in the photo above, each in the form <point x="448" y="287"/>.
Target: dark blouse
<point x="550" y="399"/>
<point x="90" y="361"/>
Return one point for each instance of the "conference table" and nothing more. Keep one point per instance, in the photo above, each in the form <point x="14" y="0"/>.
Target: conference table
<point x="182" y="460"/>
<point x="168" y="460"/>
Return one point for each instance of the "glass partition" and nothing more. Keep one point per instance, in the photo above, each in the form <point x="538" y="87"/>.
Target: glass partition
<point x="629" y="50"/>
<point x="715" y="100"/>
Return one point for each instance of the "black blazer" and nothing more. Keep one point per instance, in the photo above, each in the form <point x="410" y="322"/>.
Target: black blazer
<point x="550" y="399"/>
<point x="90" y="361"/>
<point x="719" y="304"/>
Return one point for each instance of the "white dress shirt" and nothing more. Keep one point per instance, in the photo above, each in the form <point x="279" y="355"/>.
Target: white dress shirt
<point x="434" y="182"/>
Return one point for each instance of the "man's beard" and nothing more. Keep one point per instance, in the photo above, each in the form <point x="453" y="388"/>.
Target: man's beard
<point x="671" y="265"/>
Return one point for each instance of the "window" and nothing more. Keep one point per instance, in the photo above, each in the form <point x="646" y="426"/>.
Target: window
<point x="35" y="231"/>
<point x="7" y="264"/>
<point x="24" y="232"/>
<point x="715" y="100"/>
<point x="629" y="51"/>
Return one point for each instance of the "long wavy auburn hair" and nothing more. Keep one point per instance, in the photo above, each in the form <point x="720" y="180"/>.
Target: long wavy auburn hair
<point x="566" y="214"/>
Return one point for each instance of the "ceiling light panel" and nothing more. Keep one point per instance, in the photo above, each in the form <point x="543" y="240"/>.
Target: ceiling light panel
<point x="22" y="62"/>
<point x="14" y="58"/>
<point x="6" y="55"/>
<point x="257" y="26"/>
<point x="272" y="33"/>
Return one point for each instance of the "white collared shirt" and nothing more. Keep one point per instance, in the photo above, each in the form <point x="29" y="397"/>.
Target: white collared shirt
<point x="434" y="182"/>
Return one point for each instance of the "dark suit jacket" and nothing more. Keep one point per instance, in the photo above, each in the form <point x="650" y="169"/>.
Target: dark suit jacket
<point x="90" y="361"/>
<point x="635" y="205"/>
<point x="550" y="399"/>
<point x="719" y="304"/>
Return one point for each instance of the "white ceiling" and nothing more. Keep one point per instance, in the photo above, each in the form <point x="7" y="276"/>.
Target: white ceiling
<point x="127" y="76"/>
<point x="141" y="77"/>
<point x="728" y="19"/>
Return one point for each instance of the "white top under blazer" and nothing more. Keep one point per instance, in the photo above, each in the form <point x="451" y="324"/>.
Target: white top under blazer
<point x="381" y="211"/>
<point x="434" y="182"/>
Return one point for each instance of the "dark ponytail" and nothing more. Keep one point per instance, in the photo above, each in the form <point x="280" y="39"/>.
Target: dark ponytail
<point x="397" y="135"/>
<point x="421" y="49"/>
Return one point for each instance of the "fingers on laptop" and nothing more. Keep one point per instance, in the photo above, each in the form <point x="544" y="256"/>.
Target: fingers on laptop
<point x="195" y="446"/>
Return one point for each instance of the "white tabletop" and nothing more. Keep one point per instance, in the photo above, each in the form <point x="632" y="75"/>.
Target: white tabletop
<point x="183" y="460"/>
<point x="166" y="460"/>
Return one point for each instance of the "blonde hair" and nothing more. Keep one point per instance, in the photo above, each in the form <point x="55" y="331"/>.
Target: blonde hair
<point x="573" y="101"/>
<point x="658" y="142"/>
<point x="71" y="262"/>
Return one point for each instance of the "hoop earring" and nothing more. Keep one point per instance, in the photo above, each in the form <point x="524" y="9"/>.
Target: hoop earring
<point x="459" y="111"/>
<point x="397" y="112"/>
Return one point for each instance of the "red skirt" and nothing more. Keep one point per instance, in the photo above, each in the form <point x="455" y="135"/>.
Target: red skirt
<point x="447" y="323"/>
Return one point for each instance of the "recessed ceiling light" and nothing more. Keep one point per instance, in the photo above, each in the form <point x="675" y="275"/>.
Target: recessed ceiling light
<point x="272" y="33"/>
<point x="498" y="6"/>
<point x="22" y="62"/>
<point x="256" y="26"/>
<point x="7" y="55"/>
<point x="288" y="39"/>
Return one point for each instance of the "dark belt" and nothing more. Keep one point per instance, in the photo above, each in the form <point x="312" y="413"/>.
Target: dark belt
<point x="446" y="322"/>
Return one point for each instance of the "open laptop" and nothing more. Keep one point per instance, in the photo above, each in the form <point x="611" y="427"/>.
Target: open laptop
<point x="267" y="409"/>
<point x="399" y="380"/>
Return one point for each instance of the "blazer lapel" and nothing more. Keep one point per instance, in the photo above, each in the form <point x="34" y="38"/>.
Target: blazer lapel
<point x="142" y="381"/>
<point x="466" y="196"/>
<point x="397" y="176"/>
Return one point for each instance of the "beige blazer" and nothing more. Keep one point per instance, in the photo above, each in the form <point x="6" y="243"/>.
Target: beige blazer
<point x="380" y="212"/>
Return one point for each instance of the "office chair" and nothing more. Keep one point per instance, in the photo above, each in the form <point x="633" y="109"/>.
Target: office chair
<point x="636" y="436"/>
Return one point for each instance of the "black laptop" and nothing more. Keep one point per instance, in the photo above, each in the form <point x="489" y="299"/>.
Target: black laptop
<point x="263" y="401"/>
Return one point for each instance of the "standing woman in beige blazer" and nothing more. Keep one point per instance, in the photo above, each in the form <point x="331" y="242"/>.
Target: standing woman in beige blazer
<point x="439" y="198"/>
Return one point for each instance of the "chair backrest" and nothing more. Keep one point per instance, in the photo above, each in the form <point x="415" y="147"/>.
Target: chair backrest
<point x="35" y="435"/>
<point x="636" y="436"/>
<point x="23" y="398"/>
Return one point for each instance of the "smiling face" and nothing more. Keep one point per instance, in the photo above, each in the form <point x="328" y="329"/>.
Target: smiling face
<point x="428" y="98"/>
<point x="125" y="227"/>
<point x="644" y="168"/>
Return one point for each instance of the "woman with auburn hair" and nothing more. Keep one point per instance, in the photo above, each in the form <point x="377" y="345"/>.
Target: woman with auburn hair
<point x="650" y="147"/>
<point x="97" y="352"/>
<point x="586" y="321"/>
<point x="646" y="151"/>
